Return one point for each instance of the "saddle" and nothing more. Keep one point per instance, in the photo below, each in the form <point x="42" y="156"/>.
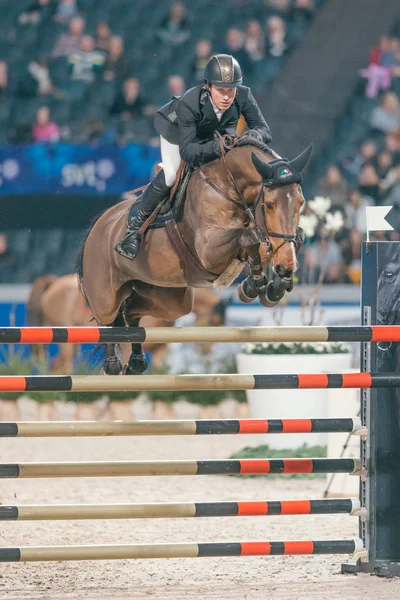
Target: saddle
<point x="171" y="208"/>
<point x="167" y="214"/>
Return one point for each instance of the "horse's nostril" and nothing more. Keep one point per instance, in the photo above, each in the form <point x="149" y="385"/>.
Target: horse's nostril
<point x="281" y="271"/>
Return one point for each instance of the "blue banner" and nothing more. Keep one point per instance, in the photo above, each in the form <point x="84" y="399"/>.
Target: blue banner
<point x="75" y="169"/>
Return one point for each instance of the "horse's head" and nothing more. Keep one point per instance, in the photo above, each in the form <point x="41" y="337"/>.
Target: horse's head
<point x="277" y="207"/>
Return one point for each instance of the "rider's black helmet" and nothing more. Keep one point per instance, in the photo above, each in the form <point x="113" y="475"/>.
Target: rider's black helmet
<point x="224" y="71"/>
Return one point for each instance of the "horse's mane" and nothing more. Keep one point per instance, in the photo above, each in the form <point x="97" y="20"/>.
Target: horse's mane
<point x="246" y="140"/>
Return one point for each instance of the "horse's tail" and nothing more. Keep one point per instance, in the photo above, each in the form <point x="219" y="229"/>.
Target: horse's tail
<point x="35" y="317"/>
<point x="79" y="257"/>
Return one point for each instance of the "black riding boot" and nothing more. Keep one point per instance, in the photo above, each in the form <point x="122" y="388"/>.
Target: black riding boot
<point x="130" y="244"/>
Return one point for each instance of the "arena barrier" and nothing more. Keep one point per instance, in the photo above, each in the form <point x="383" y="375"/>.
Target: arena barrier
<point x="378" y="549"/>
<point x="181" y="510"/>
<point x="189" y="427"/>
<point x="166" y="335"/>
<point x="114" y="383"/>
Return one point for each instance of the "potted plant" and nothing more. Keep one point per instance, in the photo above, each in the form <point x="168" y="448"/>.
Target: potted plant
<point x="46" y="407"/>
<point x="296" y="358"/>
<point x="120" y="405"/>
<point x="86" y="403"/>
<point x="208" y="402"/>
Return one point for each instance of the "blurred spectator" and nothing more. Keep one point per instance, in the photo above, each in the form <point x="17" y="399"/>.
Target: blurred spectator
<point x="333" y="186"/>
<point x="386" y="117"/>
<point x="381" y="54"/>
<point x="4" y="90"/>
<point x="392" y="143"/>
<point x="174" y="29"/>
<point x="176" y="85"/>
<point x="65" y="11"/>
<point x="235" y="47"/>
<point x="276" y="37"/>
<point x="384" y="163"/>
<point x="45" y="130"/>
<point x="278" y="7"/>
<point x="97" y="133"/>
<point x="129" y="103"/>
<point x="353" y="258"/>
<point x="34" y="12"/>
<point x="103" y="37"/>
<point x="37" y="79"/>
<point x="302" y="11"/>
<point x="355" y="211"/>
<point x="254" y="42"/>
<point x="68" y="43"/>
<point x="7" y="256"/>
<point x="388" y="54"/>
<point x="391" y="184"/>
<point x="378" y="71"/>
<point x="323" y="258"/>
<point x="118" y="66"/>
<point x="203" y="55"/>
<point x="369" y="183"/>
<point x="395" y="68"/>
<point x="366" y="153"/>
<point x="86" y="63"/>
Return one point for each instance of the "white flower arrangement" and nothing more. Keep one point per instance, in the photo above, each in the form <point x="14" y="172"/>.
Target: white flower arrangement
<point x="296" y="348"/>
<point x="320" y="215"/>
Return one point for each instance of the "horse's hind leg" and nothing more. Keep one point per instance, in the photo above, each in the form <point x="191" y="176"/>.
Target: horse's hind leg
<point x="112" y="363"/>
<point x="137" y="363"/>
<point x="167" y="304"/>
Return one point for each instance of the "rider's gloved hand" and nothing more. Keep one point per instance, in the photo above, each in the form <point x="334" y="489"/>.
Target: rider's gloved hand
<point x="217" y="147"/>
<point x="253" y="133"/>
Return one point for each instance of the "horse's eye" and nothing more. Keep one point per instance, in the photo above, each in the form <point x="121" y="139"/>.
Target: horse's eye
<point x="388" y="275"/>
<point x="269" y="205"/>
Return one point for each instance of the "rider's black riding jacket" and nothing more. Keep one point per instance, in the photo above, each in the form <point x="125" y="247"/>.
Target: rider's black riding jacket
<point x="190" y="122"/>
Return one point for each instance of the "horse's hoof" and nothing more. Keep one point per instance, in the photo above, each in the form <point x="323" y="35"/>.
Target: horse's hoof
<point x="137" y="364"/>
<point x="272" y="294"/>
<point x="265" y="301"/>
<point x="112" y="365"/>
<point x="242" y="296"/>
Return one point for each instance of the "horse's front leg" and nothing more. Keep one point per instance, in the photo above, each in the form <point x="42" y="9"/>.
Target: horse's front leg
<point x="255" y="283"/>
<point x="277" y="287"/>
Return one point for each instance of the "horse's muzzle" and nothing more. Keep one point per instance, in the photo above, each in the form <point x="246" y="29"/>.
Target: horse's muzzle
<point x="282" y="272"/>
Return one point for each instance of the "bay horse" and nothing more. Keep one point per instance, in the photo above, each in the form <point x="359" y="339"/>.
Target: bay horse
<point x="58" y="302"/>
<point x="243" y="207"/>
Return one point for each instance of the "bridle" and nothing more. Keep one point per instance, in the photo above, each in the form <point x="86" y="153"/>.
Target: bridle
<point x="227" y="142"/>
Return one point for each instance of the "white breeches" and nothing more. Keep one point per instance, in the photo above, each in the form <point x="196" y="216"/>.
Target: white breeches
<point x="171" y="159"/>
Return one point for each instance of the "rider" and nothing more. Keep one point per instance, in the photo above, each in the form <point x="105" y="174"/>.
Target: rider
<point x="186" y="126"/>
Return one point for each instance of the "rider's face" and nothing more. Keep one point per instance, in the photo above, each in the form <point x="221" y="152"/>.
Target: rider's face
<point x="222" y="97"/>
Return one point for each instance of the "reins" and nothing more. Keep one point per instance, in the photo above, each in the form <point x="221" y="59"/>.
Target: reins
<point x="228" y="142"/>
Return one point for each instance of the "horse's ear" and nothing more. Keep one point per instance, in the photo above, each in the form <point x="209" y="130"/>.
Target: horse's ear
<point x="300" y="162"/>
<point x="262" y="167"/>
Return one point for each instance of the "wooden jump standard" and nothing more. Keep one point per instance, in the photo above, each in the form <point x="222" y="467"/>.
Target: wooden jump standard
<point x="114" y="383"/>
<point x="89" y="335"/>
<point x="195" y="550"/>
<point x="180" y="510"/>
<point x="199" y="427"/>
<point x="140" y="468"/>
